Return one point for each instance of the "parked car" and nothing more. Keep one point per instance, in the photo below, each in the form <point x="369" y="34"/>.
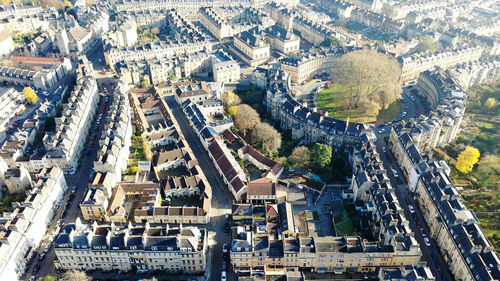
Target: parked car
<point x="412" y="210"/>
<point x="36" y="269"/>
<point x="224" y="266"/>
<point x="223" y="276"/>
<point x="427" y="241"/>
<point x="226" y="227"/>
<point x="88" y="152"/>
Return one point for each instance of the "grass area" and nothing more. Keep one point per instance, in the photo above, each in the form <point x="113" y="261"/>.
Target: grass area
<point x="390" y="113"/>
<point x="343" y="225"/>
<point x="334" y="100"/>
<point x="481" y="187"/>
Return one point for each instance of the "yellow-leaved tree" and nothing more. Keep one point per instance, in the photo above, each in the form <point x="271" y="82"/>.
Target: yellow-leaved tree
<point x="30" y="95"/>
<point x="467" y="159"/>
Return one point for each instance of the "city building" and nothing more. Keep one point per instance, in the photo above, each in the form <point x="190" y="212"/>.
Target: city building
<point x="282" y="40"/>
<point x="304" y="65"/>
<point x="114" y="145"/>
<point x="124" y="247"/>
<point x="251" y="47"/>
<point x="224" y="68"/>
<point x="23" y="229"/>
<point x="413" y="65"/>
<point x="12" y="103"/>
<point x="6" y="44"/>
<point x="65" y="145"/>
<point x="306" y="124"/>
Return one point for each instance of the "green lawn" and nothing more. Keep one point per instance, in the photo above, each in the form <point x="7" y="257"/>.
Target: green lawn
<point x="390" y="113"/>
<point x="334" y="100"/>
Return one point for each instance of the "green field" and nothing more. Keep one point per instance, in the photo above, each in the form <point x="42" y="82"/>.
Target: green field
<point x="335" y="101"/>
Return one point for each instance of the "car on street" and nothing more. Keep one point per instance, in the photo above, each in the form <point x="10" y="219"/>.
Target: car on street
<point x="384" y="149"/>
<point x="395" y="172"/>
<point x="381" y="131"/>
<point x="224" y="266"/>
<point x="419" y="224"/>
<point x="223" y="276"/>
<point x="422" y="231"/>
<point x="427" y="241"/>
<point x="36" y="269"/>
<point x="224" y="248"/>
<point x="412" y="210"/>
<point x="88" y="152"/>
<point x="73" y="189"/>
<point x="226" y="227"/>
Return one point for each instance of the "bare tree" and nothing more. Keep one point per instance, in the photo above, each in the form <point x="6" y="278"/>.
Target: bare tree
<point x="267" y="137"/>
<point x="246" y="118"/>
<point x="300" y="157"/>
<point x="75" y="275"/>
<point x="370" y="77"/>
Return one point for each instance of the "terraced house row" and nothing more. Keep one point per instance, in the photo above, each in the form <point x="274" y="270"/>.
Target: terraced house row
<point x="125" y="247"/>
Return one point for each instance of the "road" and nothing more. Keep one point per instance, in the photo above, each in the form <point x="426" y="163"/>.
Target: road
<point x="80" y="179"/>
<point x="221" y="198"/>
<point x="405" y="197"/>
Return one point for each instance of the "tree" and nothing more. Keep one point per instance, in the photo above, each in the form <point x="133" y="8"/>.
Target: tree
<point x="133" y="169"/>
<point x="321" y="154"/>
<point x="427" y="44"/>
<point x="146" y="149"/>
<point x="267" y="137"/>
<point x="47" y="278"/>
<point x="75" y="275"/>
<point x="331" y="41"/>
<point x="232" y="110"/>
<point x="30" y="95"/>
<point x="488" y="171"/>
<point x="246" y="118"/>
<point x="370" y="78"/>
<point x="467" y="159"/>
<point x="145" y="83"/>
<point x="490" y="103"/>
<point x="230" y="98"/>
<point x="300" y="157"/>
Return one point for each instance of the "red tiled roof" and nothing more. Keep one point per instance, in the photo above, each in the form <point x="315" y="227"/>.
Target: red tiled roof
<point x="224" y="165"/>
<point x="258" y="156"/>
<point x="34" y="60"/>
<point x="261" y="187"/>
<point x="237" y="184"/>
<point x="229" y="135"/>
<point x="215" y="150"/>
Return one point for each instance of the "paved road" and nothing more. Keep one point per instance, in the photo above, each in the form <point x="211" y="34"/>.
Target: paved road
<point x="80" y="179"/>
<point x="405" y="197"/>
<point x="222" y="199"/>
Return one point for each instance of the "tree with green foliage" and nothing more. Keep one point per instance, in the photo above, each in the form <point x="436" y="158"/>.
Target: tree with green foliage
<point x="146" y="149"/>
<point x="427" y="44"/>
<point x="467" y="159"/>
<point x="490" y="103"/>
<point x="331" y="41"/>
<point x="300" y="157"/>
<point x="321" y="154"/>
<point x="488" y="171"/>
<point x="232" y="110"/>
<point x="145" y="83"/>
<point x="30" y="95"/>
